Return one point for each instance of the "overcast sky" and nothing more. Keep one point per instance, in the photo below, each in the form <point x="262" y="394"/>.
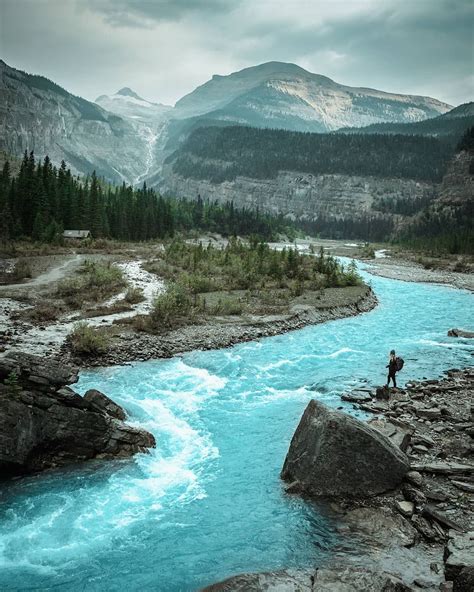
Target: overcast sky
<point x="163" y="49"/>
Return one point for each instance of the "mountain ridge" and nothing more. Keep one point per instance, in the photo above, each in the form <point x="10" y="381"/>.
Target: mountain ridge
<point x="317" y="101"/>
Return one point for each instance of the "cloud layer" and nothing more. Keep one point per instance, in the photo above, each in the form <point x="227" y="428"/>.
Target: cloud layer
<point x="165" y="48"/>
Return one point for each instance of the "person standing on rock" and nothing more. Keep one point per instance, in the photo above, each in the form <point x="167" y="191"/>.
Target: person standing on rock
<point x="392" y="368"/>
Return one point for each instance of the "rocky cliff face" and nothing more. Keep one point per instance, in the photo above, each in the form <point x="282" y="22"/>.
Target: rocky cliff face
<point x="36" y="114"/>
<point x="458" y="183"/>
<point x="44" y="423"/>
<point x="301" y="195"/>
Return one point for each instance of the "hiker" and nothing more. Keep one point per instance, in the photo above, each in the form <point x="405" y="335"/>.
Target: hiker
<point x="392" y="368"/>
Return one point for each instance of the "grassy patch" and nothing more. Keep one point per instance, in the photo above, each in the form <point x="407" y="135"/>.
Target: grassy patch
<point x="87" y="340"/>
<point x="43" y="312"/>
<point x="94" y="282"/>
<point x="241" y="278"/>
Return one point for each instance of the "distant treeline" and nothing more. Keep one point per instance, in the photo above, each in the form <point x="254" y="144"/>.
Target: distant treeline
<point x="218" y="154"/>
<point x="369" y="227"/>
<point x="42" y="201"/>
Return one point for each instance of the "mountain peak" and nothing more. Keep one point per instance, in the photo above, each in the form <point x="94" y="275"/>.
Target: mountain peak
<point x="128" y="92"/>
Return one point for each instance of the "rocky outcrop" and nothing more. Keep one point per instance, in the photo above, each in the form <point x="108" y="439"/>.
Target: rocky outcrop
<point x="37" y="114"/>
<point x="334" y="454"/>
<point x="418" y="536"/>
<point x="44" y="423"/>
<point x="460" y="333"/>
<point x="341" y="578"/>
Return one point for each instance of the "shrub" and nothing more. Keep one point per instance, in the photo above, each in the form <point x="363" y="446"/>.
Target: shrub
<point x="87" y="340"/>
<point x="21" y="270"/>
<point x="43" y="312"/>
<point x="199" y="284"/>
<point x="171" y="305"/>
<point x="367" y="251"/>
<point x="134" y="295"/>
<point x="227" y="306"/>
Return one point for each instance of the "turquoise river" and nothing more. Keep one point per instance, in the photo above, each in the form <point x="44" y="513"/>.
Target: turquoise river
<point x="208" y="502"/>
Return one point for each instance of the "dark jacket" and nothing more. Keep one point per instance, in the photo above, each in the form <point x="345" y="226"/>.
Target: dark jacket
<point x="392" y="366"/>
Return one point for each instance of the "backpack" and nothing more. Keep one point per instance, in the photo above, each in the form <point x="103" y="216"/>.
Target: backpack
<point x="400" y="363"/>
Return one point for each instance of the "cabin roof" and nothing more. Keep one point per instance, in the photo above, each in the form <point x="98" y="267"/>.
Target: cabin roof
<point x="76" y="233"/>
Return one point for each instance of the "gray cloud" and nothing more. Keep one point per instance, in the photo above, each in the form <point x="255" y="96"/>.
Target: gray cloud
<point x="146" y="13"/>
<point x="163" y="49"/>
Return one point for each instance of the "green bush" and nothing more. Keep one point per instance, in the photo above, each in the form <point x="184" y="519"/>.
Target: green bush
<point x="173" y="304"/>
<point x="134" y="295"/>
<point x="87" y="340"/>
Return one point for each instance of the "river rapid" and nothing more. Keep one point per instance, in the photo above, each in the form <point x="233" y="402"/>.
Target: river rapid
<point x="208" y="502"/>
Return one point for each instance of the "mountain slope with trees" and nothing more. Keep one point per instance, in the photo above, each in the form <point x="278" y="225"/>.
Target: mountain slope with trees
<point x="221" y="154"/>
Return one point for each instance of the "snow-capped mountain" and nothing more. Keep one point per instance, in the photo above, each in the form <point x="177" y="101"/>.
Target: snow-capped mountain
<point x="126" y="138"/>
<point x="127" y="103"/>
<point x="277" y="94"/>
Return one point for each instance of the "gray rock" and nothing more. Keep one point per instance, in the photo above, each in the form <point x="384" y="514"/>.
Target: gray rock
<point x="399" y="436"/>
<point x="415" y="478"/>
<point x="51" y="425"/>
<point x="380" y="527"/>
<point x="281" y="581"/>
<point x="341" y="578"/>
<point x="102" y="403"/>
<point x="460" y="333"/>
<point x="405" y="508"/>
<point x="334" y="454"/>
<point x="459" y="557"/>
<point x="37" y="372"/>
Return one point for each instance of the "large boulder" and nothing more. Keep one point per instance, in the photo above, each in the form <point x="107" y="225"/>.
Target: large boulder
<point x="46" y="424"/>
<point x="334" y="454"/>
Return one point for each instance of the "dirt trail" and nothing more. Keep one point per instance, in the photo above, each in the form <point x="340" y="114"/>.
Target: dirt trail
<point x="54" y="274"/>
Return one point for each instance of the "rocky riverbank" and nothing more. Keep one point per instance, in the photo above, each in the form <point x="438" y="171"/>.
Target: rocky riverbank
<point x="221" y="332"/>
<point x="45" y="424"/>
<point x="409" y="271"/>
<point x="411" y="524"/>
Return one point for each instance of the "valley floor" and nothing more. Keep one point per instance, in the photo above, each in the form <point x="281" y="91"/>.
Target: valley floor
<point x="43" y="336"/>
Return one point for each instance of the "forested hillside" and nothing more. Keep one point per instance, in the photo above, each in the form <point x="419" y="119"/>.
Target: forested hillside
<point x="42" y="201"/>
<point x="221" y="154"/>
<point x="447" y="224"/>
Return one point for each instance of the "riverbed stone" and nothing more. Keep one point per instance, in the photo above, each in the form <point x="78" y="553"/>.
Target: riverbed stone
<point x="459" y="555"/>
<point x="334" y="454"/>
